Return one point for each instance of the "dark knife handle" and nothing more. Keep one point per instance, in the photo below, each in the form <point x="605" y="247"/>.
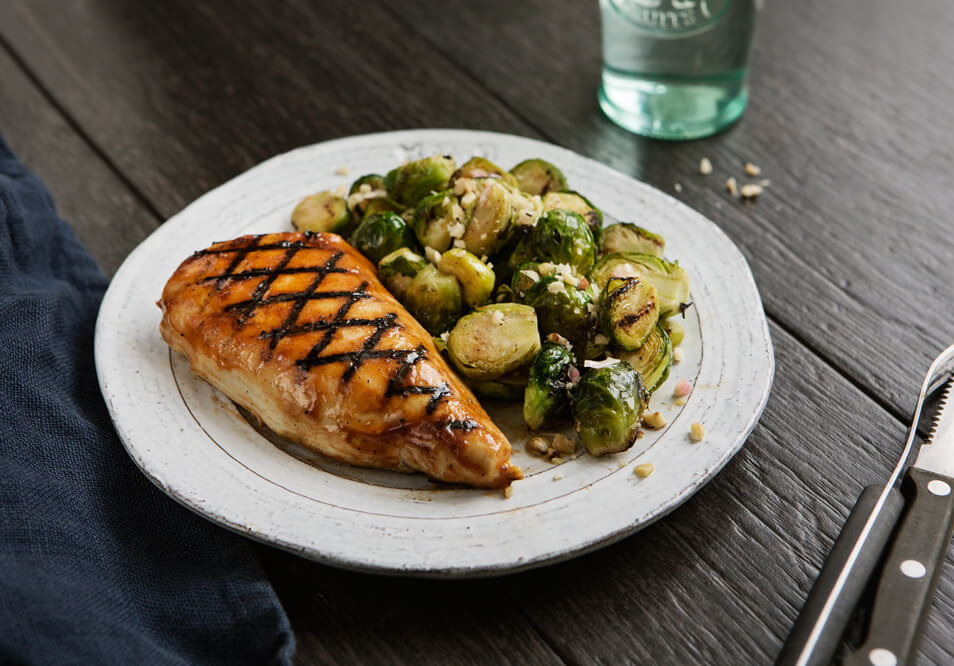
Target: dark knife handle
<point x="796" y="649"/>
<point x="907" y="582"/>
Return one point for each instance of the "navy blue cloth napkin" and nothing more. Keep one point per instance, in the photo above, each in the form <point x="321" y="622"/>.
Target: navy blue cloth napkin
<point x="97" y="565"/>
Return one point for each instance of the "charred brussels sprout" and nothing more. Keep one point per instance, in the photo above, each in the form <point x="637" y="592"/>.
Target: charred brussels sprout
<point x="381" y="234"/>
<point x="321" y="212"/>
<point x="488" y="225"/>
<point x="669" y="278"/>
<point x="538" y="176"/>
<point x="607" y="406"/>
<point x="628" y="312"/>
<point x="626" y="237"/>
<point x="398" y="269"/>
<point x="562" y="237"/>
<point x="494" y="341"/>
<point x="578" y="204"/>
<point x="475" y="277"/>
<point x="547" y="391"/>
<point x="481" y="167"/>
<point x="652" y="360"/>
<point x="434" y="298"/>
<point x="560" y="307"/>
<point x="411" y="182"/>
<point x="435" y="217"/>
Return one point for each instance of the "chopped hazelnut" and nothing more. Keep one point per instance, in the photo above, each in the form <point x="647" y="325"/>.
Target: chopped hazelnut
<point x="557" y="477"/>
<point x="752" y="170"/>
<point x="682" y="389"/>
<point x="538" y="445"/>
<point x="644" y="470"/>
<point x="751" y="191"/>
<point x="655" y="420"/>
<point x="508" y="492"/>
<point x="342" y="171"/>
<point x="696" y="432"/>
<point x="563" y="444"/>
<point x="733" y="186"/>
<point x="705" y="166"/>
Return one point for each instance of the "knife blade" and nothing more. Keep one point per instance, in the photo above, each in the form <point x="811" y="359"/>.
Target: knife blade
<point x="916" y="555"/>
<point x="857" y="551"/>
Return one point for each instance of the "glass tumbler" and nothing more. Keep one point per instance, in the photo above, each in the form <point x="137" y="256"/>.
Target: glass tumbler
<point x="676" y="69"/>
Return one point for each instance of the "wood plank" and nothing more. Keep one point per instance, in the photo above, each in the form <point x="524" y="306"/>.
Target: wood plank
<point x="851" y="243"/>
<point x="88" y="194"/>
<point x="183" y="95"/>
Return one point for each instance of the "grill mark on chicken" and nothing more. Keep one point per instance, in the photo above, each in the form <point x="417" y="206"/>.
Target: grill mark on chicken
<point x="290" y="326"/>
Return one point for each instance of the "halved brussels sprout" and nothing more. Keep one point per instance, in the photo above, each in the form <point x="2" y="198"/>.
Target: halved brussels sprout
<point x="434" y="218"/>
<point x="398" y="269"/>
<point x="322" y="212"/>
<point x="525" y="277"/>
<point x="494" y="341"/>
<point x="364" y="190"/>
<point x="547" y="391"/>
<point x="508" y="387"/>
<point x="411" y="182"/>
<point x="434" y="298"/>
<point x="652" y="360"/>
<point x="669" y="278"/>
<point x="382" y="205"/>
<point x="475" y="277"/>
<point x="562" y="237"/>
<point x="560" y="307"/>
<point x="578" y="204"/>
<point x="381" y="234"/>
<point x="628" y="312"/>
<point x="536" y="176"/>
<point x="626" y="237"/>
<point x="674" y="330"/>
<point x="489" y="221"/>
<point x="607" y="407"/>
<point x="481" y="167"/>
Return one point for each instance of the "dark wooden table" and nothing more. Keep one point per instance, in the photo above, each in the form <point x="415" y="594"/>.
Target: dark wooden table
<point x="129" y="110"/>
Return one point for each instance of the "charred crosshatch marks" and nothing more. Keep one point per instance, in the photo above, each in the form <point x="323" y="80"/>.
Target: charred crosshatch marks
<point x="291" y="325"/>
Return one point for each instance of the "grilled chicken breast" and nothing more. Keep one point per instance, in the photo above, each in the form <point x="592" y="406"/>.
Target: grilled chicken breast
<point x="296" y="328"/>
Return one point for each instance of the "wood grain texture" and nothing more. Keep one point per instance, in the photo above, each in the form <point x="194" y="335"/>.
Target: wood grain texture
<point x="851" y="243"/>
<point x="108" y="217"/>
<point x="850" y="246"/>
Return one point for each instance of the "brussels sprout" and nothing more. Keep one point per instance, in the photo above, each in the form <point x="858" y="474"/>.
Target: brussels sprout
<point x="475" y="277"/>
<point x="434" y="218"/>
<point x="626" y="237"/>
<point x="383" y="205"/>
<point x="669" y="278"/>
<point x="607" y="407"/>
<point x="578" y="204"/>
<point x="381" y="234"/>
<point x="508" y="387"/>
<point x="674" y="330"/>
<point x="517" y="251"/>
<point x="560" y="307"/>
<point x="547" y="391"/>
<point x="494" y="341"/>
<point x="411" y="182"/>
<point x="363" y="191"/>
<point x="628" y="312"/>
<point x="562" y="237"/>
<point x="652" y="360"/>
<point x="321" y="212"/>
<point x="536" y="176"/>
<point x="525" y="277"/>
<point x="489" y="222"/>
<point x="434" y="298"/>
<point x="481" y="167"/>
<point x="398" y="269"/>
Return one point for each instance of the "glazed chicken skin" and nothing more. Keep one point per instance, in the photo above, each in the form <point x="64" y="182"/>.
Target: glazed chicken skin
<point x="297" y="329"/>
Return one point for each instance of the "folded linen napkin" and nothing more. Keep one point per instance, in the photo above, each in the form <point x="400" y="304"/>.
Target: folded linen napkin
<point x="96" y="564"/>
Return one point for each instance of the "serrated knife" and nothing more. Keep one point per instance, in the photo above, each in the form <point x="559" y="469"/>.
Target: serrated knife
<point x="924" y="493"/>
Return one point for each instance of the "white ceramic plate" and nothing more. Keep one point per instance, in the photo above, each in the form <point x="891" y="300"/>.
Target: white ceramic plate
<point x="193" y="444"/>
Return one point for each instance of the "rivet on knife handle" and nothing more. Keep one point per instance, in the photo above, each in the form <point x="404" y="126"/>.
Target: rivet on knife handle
<point x="906" y="586"/>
